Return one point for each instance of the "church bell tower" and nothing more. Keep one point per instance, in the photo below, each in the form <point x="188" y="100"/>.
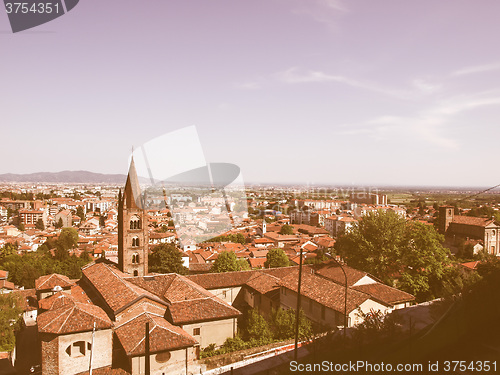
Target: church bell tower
<point x="132" y="228"/>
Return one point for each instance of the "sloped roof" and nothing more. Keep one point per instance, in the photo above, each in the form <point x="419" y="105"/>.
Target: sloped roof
<point x="385" y="293"/>
<point x="56" y="301"/>
<point x="113" y="288"/>
<point x="70" y="318"/>
<point x="201" y="309"/>
<point x="48" y="282"/>
<point x="263" y="283"/>
<point x="132" y="191"/>
<point x="475" y="221"/>
<point x="163" y="336"/>
<point x="188" y="302"/>
<point x="325" y="292"/>
<point x="334" y="272"/>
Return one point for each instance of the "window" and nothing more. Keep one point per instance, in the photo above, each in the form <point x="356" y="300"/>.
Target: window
<point x="162" y="357"/>
<point x="224" y="294"/>
<point x="78" y="349"/>
<point x="135" y="258"/>
<point x="135" y="242"/>
<point x="136" y="273"/>
<point x="135" y="223"/>
<point x="196" y="331"/>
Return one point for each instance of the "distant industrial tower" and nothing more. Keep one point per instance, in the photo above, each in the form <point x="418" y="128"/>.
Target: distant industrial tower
<point x="132" y="228"/>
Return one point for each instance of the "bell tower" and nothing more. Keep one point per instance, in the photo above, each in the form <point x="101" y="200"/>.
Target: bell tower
<point x="133" y="241"/>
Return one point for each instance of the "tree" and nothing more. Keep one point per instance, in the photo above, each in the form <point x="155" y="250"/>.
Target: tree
<point x="286" y="229"/>
<point x="102" y="221"/>
<point x="9" y="315"/>
<point x="386" y="245"/>
<point x="39" y="225"/>
<point x="166" y="258"/>
<point x="227" y="262"/>
<point x="276" y="258"/>
<point x="59" y="223"/>
<point x="283" y="324"/>
<point x="68" y="238"/>
<point x="21" y="226"/>
<point x="80" y="213"/>
<point x="257" y="328"/>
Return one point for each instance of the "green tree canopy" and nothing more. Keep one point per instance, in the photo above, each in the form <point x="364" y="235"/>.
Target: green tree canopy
<point x="68" y="238"/>
<point x="227" y="262"/>
<point x="59" y="223"/>
<point x="39" y="225"/>
<point x="9" y="314"/>
<point x="286" y="229"/>
<point x="276" y="258"/>
<point x="80" y="213"/>
<point x="166" y="258"/>
<point x="387" y="246"/>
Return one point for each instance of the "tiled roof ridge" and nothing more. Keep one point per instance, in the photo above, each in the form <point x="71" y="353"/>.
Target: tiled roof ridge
<point x="155" y="325"/>
<point x="63" y="311"/>
<point x="50" y="277"/>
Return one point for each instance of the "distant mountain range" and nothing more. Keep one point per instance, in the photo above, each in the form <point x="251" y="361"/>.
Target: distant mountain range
<point x="65" y="177"/>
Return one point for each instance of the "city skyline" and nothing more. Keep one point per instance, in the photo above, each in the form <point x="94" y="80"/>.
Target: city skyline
<point x="319" y="92"/>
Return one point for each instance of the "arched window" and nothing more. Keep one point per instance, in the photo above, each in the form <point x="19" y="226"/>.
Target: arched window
<point x="135" y="223"/>
<point x="135" y="258"/>
<point x="135" y="242"/>
<point x="136" y="273"/>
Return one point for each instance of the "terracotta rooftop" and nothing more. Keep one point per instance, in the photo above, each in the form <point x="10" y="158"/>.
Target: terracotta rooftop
<point x="110" y="283"/>
<point x="188" y="302"/>
<point x="333" y="272"/>
<point x="163" y="336"/>
<point x="69" y="318"/>
<point x="324" y="291"/>
<point x="385" y="293"/>
<point x="263" y="283"/>
<point x="48" y="282"/>
<point x="470" y="220"/>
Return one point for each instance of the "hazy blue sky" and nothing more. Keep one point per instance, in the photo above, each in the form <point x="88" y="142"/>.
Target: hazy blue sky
<point x="312" y="91"/>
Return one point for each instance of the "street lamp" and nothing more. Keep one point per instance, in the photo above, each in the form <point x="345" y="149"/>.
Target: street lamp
<point x="298" y="308"/>
<point x="346" y="320"/>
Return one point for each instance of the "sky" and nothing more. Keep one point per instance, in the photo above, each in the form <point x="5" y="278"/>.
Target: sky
<point x="356" y="92"/>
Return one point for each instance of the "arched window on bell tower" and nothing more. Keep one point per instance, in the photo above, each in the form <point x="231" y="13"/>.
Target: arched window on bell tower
<point x="135" y="241"/>
<point x="135" y="222"/>
<point x="135" y="258"/>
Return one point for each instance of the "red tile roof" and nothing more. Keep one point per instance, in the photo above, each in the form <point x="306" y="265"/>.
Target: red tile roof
<point x="48" y="282"/>
<point x="332" y="271"/>
<point x="385" y="293"/>
<point x="110" y="283"/>
<point x="188" y="302"/>
<point x="325" y="292"/>
<point x="470" y="220"/>
<point x="70" y="318"/>
<point x="163" y="336"/>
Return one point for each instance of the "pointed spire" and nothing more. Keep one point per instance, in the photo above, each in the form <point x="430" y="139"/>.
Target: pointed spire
<point x="132" y="192"/>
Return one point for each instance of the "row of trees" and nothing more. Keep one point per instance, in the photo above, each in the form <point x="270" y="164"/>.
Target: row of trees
<point x="25" y="269"/>
<point x="255" y="330"/>
<point x="407" y="254"/>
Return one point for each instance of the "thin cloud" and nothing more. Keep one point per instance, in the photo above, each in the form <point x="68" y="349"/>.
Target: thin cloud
<point x="425" y="86"/>
<point x="476" y="69"/>
<point x="249" y="85"/>
<point x="322" y="11"/>
<point x="430" y="125"/>
<point x="295" y="76"/>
